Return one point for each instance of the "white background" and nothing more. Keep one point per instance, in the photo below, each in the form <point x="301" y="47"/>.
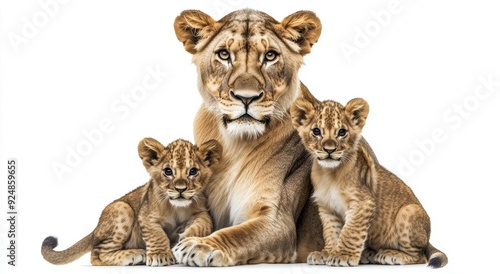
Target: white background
<point x="416" y="70"/>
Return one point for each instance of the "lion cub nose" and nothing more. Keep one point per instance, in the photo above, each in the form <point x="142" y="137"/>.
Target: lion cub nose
<point x="181" y="185"/>
<point x="329" y="150"/>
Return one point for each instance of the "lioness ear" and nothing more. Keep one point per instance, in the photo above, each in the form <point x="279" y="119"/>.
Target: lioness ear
<point x="357" y="110"/>
<point x="191" y="26"/>
<point x="210" y="152"/>
<point x="149" y="151"/>
<point x="302" y="28"/>
<point x="302" y="112"/>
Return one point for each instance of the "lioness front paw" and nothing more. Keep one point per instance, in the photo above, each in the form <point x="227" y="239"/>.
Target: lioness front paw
<point x="317" y="257"/>
<point x="160" y="258"/>
<point x="342" y="259"/>
<point x="195" y="251"/>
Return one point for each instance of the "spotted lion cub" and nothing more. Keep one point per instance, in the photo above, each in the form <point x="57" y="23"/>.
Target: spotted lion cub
<point x="141" y="227"/>
<point x="368" y="214"/>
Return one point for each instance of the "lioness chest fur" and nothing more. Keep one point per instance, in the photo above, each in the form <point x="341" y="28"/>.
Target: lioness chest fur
<point x="368" y="214"/>
<point x="141" y="226"/>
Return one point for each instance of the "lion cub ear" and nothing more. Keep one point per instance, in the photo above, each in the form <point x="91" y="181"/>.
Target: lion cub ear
<point x="357" y="110"/>
<point x="210" y="152"/>
<point x="302" y="28"/>
<point x="149" y="151"/>
<point x="191" y="26"/>
<point x="302" y="112"/>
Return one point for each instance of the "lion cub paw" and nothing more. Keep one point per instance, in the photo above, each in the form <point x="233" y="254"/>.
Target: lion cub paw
<point x="342" y="259"/>
<point x="194" y="251"/>
<point x="160" y="258"/>
<point x="367" y="256"/>
<point x="317" y="257"/>
<point x="133" y="257"/>
<point x="390" y="257"/>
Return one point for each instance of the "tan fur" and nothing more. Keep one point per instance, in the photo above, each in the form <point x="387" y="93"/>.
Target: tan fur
<point x="141" y="227"/>
<point x="260" y="189"/>
<point x="368" y="214"/>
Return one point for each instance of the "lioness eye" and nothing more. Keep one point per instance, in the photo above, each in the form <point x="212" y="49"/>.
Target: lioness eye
<point x="271" y="55"/>
<point x="223" y="54"/>
<point x="316" y="131"/>
<point x="341" y="132"/>
<point x="168" y="172"/>
<point x="193" y="171"/>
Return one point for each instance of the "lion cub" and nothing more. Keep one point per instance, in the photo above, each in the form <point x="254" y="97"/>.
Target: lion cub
<point x="139" y="227"/>
<point x="368" y="214"/>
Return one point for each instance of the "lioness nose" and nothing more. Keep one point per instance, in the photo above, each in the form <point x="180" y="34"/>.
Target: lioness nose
<point x="246" y="82"/>
<point x="246" y="100"/>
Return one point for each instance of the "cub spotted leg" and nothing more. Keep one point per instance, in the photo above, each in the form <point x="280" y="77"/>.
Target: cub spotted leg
<point x="412" y="225"/>
<point x="332" y="226"/>
<point x="113" y="230"/>
<point x="353" y="235"/>
<point x="158" y="251"/>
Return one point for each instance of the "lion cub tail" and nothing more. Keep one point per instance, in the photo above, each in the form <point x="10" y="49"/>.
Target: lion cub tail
<point x="435" y="257"/>
<point x="68" y="255"/>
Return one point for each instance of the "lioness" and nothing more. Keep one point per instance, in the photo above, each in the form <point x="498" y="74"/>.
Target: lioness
<point x="247" y="65"/>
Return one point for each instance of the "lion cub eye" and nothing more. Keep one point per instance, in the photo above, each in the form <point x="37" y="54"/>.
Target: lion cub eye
<point x="271" y="56"/>
<point x="193" y="171"/>
<point x="342" y="132"/>
<point x="316" y="131"/>
<point x="168" y="172"/>
<point x="223" y="54"/>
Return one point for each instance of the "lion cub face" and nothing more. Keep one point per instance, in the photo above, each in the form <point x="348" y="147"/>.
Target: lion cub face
<point x="329" y="130"/>
<point x="181" y="169"/>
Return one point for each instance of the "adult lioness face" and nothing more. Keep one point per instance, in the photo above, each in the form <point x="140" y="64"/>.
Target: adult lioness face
<point x="247" y="64"/>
